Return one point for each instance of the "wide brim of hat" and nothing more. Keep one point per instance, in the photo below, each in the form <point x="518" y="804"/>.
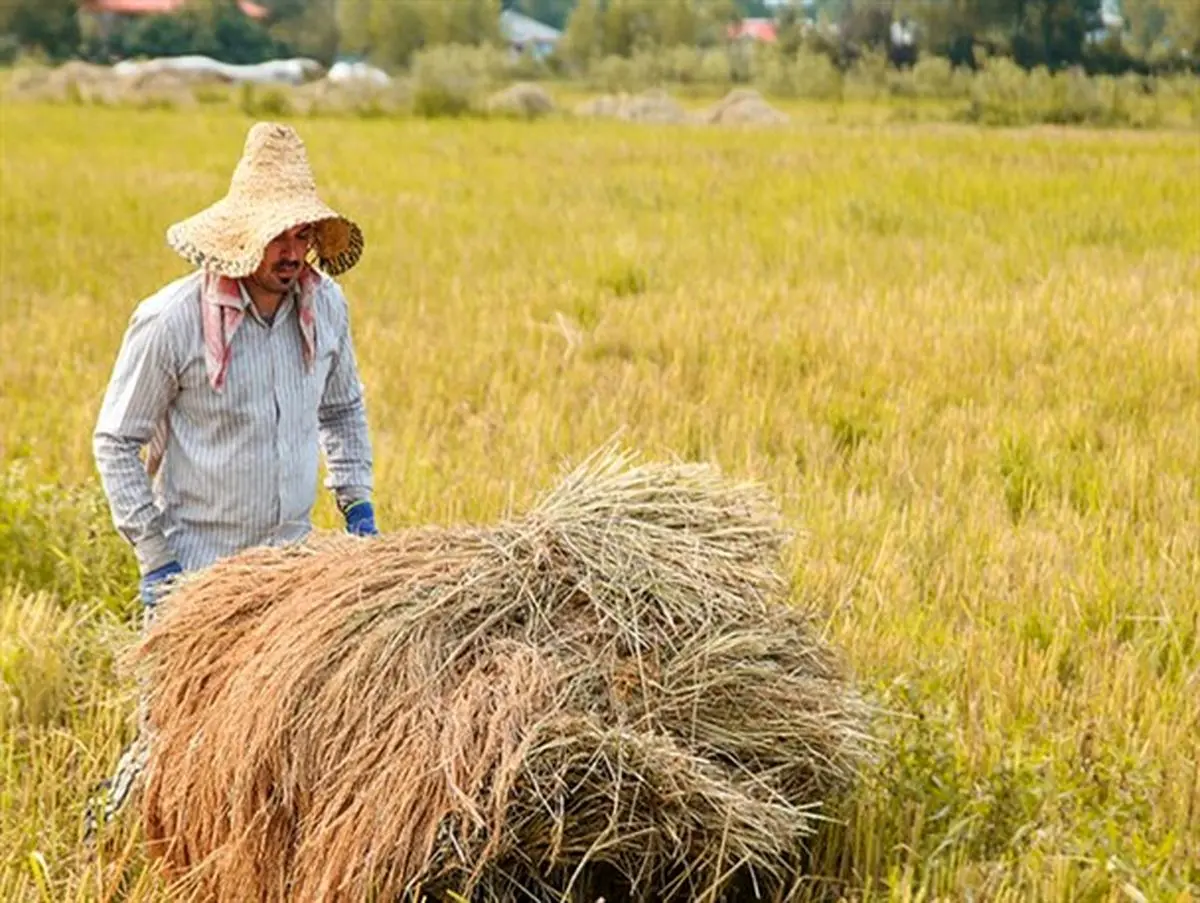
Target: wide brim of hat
<point x="230" y="238"/>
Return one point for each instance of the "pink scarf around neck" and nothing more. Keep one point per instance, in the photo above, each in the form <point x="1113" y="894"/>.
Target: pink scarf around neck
<point x="222" y="311"/>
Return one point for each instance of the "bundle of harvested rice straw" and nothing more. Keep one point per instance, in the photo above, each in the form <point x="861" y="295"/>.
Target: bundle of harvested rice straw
<point x="608" y="696"/>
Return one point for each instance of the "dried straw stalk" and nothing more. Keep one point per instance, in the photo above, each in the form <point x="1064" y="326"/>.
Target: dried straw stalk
<point x="603" y="696"/>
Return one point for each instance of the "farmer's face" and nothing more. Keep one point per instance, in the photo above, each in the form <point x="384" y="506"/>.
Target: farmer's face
<point x="283" y="259"/>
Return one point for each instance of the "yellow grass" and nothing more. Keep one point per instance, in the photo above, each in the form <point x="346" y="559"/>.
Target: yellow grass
<point x="967" y="362"/>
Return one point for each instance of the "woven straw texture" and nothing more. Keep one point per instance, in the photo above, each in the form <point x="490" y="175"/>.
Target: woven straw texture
<point x="272" y="190"/>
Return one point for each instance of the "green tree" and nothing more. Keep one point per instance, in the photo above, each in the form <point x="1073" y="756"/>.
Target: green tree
<point x="160" y="36"/>
<point x="677" y="23"/>
<point x="282" y="10"/>
<point x="1034" y="32"/>
<point x="713" y="18"/>
<point x="583" y="39"/>
<point x="311" y="32"/>
<point x="399" y="28"/>
<point x="1182" y="29"/>
<point x="621" y="27"/>
<point x="354" y="19"/>
<point x="234" y="37"/>
<point x="1053" y="32"/>
<point x="626" y="23"/>
<point x="51" y="26"/>
<point x="864" y="23"/>
<point x="396" y="32"/>
<point x="462" y="22"/>
<point x="1146" y="21"/>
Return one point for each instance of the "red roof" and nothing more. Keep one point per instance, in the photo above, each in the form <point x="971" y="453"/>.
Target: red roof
<point x="162" y="7"/>
<point x="755" y="29"/>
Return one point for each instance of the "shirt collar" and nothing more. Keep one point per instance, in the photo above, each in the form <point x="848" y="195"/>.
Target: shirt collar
<point x="243" y="302"/>
<point x="225" y="291"/>
<point x="244" y="299"/>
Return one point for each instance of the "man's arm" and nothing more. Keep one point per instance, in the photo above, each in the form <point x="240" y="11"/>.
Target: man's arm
<point x="143" y="384"/>
<point x="343" y="427"/>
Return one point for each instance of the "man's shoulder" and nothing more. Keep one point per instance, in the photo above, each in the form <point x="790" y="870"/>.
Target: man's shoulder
<point x="330" y="288"/>
<point x="174" y="303"/>
<point x="331" y="300"/>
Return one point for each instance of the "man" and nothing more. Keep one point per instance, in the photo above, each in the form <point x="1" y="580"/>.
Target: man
<point x="236" y="375"/>
<point x="233" y="379"/>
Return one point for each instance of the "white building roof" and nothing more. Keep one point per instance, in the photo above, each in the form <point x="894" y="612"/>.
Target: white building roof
<point x="520" y="29"/>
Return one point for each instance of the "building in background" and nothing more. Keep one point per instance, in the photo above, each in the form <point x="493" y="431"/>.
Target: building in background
<point x="763" y="31"/>
<point x="524" y="34"/>
<point x="102" y="19"/>
<point x="115" y="8"/>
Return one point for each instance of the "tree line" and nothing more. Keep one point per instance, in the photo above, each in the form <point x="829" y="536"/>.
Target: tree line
<point x="1054" y="33"/>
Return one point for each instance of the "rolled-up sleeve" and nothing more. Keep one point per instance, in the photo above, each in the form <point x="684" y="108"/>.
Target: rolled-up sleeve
<point x="343" y="424"/>
<point x="143" y="384"/>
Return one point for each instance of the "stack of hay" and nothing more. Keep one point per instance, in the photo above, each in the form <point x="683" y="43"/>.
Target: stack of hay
<point x="605" y="697"/>
<point x="77" y="81"/>
<point x="522" y="101"/>
<point x="74" y="80"/>
<point x="745" y="106"/>
<point x="654" y="106"/>
<point x="351" y="96"/>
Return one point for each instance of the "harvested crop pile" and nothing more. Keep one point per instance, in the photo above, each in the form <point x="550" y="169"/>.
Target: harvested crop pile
<point x="650" y="107"/>
<point x="72" y="80"/>
<point x="352" y="96"/>
<point x="744" y="106"/>
<point x="606" y="696"/>
<point x="521" y="100"/>
<point x="88" y="83"/>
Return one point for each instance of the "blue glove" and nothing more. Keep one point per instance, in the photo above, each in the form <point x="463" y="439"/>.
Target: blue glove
<point x="155" y="582"/>
<point x="360" y="519"/>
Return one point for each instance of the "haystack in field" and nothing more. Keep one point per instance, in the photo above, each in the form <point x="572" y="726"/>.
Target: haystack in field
<point x="77" y="81"/>
<point x="745" y="106"/>
<point x="351" y="97"/>
<point x="654" y="106"/>
<point x="522" y="101"/>
<point x="606" y="696"/>
<point x="74" y="80"/>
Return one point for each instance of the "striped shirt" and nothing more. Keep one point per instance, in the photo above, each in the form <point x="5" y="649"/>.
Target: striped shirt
<point x="240" y="466"/>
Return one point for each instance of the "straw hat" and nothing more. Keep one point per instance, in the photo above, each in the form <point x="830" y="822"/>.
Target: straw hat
<point x="272" y="190"/>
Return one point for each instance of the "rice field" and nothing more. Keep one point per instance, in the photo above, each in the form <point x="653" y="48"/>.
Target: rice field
<point x="966" y="362"/>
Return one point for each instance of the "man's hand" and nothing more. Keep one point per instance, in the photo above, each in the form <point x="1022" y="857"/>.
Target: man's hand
<point x="360" y="519"/>
<point x="155" y="583"/>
